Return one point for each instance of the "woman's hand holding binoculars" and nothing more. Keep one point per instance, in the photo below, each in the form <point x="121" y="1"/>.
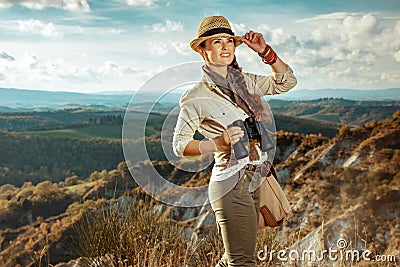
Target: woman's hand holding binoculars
<point x="227" y="139"/>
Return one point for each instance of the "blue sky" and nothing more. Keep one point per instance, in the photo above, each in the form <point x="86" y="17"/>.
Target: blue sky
<point x="116" y="45"/>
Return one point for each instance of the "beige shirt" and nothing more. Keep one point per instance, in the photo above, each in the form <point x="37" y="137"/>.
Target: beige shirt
<point x="210" y="113"/>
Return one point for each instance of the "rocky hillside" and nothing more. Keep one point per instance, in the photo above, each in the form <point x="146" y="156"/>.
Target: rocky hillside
<point x="349" y="188"/>
<point x="343" y="187"/>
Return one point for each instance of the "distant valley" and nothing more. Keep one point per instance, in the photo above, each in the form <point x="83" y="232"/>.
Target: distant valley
<point x="27" y="100"/>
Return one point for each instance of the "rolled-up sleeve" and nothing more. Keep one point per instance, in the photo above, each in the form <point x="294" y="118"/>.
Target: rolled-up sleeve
<point x="275" y="84"/>
<point x="189" y="120"/>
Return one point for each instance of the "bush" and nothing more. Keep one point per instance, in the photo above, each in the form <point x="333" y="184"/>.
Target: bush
<point x="350" y="191"/>
<point x="384" y="155"/>
<point x="396" y="115"/>
<point x="377" y="176"/>
<point x="135" y="233"/>
<point x="344" y="131"/>
<point x="73" y="180"/>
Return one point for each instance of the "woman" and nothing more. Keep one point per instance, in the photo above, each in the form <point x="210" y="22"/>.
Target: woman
<point x="224" y="95"/>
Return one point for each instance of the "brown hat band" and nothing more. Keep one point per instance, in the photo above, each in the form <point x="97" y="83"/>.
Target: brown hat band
<point x="216" y="31"/>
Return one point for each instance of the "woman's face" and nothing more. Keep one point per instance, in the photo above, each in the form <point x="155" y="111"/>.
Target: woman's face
<point x="219" y="51"/>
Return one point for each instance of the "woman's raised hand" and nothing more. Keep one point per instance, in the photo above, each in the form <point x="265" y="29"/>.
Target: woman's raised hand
<point x="255" y="41"/>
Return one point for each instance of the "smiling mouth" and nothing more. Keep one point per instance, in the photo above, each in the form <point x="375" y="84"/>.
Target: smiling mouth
<point x="225" y="54"/>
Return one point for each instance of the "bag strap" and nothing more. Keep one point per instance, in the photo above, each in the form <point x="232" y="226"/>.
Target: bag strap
<point x="273" y="172"/>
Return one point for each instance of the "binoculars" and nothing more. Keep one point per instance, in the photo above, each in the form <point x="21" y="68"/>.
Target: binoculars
<point x="254" y="130"/>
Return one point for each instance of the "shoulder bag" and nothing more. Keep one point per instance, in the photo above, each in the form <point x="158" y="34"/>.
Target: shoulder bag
<point x="274" y="206"/>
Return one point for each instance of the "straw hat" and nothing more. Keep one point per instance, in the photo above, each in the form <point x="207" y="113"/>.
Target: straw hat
<point x="214" y="26"/>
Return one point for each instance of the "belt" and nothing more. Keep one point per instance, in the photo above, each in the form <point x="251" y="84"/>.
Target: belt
<point x="251" y="167"/>
<point x="248" y="167"/>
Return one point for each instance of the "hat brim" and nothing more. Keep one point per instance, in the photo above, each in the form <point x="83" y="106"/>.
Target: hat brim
<point x="196" y="42"/>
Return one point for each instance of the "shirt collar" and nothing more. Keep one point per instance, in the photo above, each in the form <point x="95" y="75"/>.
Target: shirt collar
<point x="207" y="79"/>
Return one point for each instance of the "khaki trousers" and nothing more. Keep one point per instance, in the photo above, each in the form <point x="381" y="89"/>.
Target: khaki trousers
<point x="237" y="216"/>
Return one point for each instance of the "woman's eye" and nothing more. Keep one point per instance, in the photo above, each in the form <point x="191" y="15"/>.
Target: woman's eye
<point x="230" y="40"/>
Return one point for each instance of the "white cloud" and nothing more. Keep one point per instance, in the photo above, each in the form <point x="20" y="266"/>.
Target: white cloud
<point x="38" y="27"/>
<point x="111" y="69"/>
<point x="169" y="26"/>
<point x="158" y="48"/>
<point x="182" y="48"/>
<point x="70" y="5"/>
<point x="76" y="5"/>
<point x="397" y="56"/>
<point x="359" y="50"/>
<point x="147" y="3"/>
<point x="354" y="31"/>
<point x="96" y="32"/>
<point x="351" y="47"/>
<point x="44" y="73"/>
<point x="49" y="29"/>
<point x="330" y="16"/>
<point x="115" y="31"/>
<point x="393" y="77"/>
<point x="265" y="30"/>
<point x="6" y="4"/>
<point x="239" y="29"/>
<point x="279" y="37"/>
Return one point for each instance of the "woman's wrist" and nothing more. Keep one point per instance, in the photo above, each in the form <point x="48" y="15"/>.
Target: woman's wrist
<point x="268" y="55"/>
<point x="198" y="148"/>
<point x="264" y="51"/>
<point x="215" y="144"/>
<point x="206" y="147"/>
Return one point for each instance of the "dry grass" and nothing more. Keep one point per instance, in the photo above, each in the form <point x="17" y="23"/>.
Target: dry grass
<point x="132" y="232"/>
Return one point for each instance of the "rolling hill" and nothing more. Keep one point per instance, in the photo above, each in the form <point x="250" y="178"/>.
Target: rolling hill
<point x="19" y="99"/>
